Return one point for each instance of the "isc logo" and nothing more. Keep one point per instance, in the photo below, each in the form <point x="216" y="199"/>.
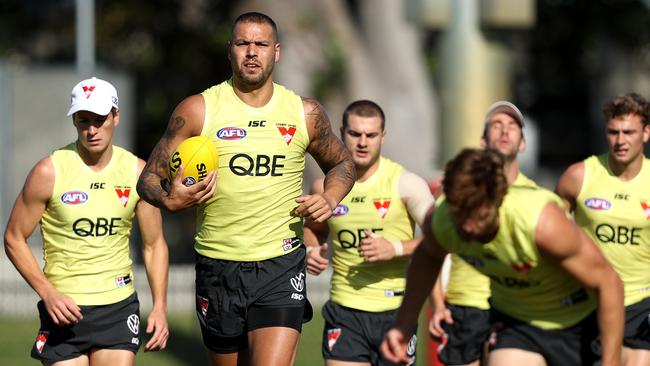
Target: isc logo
<point x="596" y="203"/>
<point x="231" y="133"/>
<point x="74" y="197"/>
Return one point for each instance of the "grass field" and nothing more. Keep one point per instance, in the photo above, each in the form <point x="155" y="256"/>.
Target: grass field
<point x="183" y="349"/>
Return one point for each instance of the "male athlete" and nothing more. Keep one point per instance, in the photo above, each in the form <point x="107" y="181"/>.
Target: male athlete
<point x="250" y="260"/>
<point x="610" y="196"/>
<point x="83" y="196"/>
<point x="372" y="233"/>
<point x="461" y="317"/>
<point x="542" y="267"/>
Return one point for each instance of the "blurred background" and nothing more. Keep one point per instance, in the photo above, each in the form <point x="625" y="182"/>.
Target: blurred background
<point x="433" y="65"/>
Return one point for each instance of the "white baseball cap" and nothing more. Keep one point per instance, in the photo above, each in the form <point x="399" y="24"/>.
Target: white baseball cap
<point x="93" y="95"/>
<point x="508" y="108"/>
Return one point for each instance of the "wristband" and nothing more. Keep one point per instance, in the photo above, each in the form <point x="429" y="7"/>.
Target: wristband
<point x="399" y="247"/>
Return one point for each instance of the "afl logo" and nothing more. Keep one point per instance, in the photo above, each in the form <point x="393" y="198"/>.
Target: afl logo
<point x="74" y="197"/>
<point x="340" y="210"/>
<point x="231" y="133"/>
<point x="596" y="203"/>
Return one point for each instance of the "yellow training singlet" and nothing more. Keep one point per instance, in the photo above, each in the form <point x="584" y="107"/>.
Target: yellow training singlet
<point x="616" y="215"/>
<point x="467" y="286"/>
<point x="524" y="286"/>
<point x="374" y="205"/>
<point x="261" y="162"/>
<point x="86" y="227"/>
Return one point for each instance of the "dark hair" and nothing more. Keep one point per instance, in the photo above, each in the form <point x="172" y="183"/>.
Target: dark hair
<point x="364" y="108"/>
<point x="255" y="17"/>
<point x="473" y="179"/>
<point x="631" y="103"/>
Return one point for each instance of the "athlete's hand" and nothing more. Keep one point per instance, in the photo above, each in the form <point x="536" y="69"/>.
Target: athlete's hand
<point x="374" y="248"/>
<point x="435" y="324"/>
<point x="62" y="309"/>
<point x="157" y="324"/>
<point x="317" y="261"/>
<point x="394" y="346"/>
<point x="181" y="197"/>
<point x="314" y="207"/>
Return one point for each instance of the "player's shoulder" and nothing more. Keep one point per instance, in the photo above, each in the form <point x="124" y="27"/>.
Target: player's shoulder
<point x="189" y="115"/>
<point x="44" y="166"/>
<point x="311" y="105"/>
<point x="576" y="171"/>
<point x="39" y="184"/>
<point x="412" y="180"/>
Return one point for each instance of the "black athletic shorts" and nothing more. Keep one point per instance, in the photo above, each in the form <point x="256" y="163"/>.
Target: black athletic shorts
<point x="233" y="298"/>
<point x="113" y="326"/>
<point x="571" y="346"/>
<point x="637" y="325"/>
<point x="355" y="335"/>
<point x="464" y="338"/>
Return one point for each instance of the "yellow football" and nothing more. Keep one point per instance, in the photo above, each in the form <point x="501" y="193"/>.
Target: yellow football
<point x="197" y="155"/>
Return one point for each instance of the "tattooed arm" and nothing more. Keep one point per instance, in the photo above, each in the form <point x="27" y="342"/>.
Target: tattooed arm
<point x="186" y="121"/>
<point x="332" y="157"/>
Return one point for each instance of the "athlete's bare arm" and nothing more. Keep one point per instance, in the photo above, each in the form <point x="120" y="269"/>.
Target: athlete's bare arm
<point x="26" y="214"/>
<point x="315" y="236"/>
<point x="560" y="240"/>
<point x="186" y="121"/>
<point x="332" y="157"/>
<point x="569" y="185"/>
<point x="440" y="312"/>
<point x="416" y="196"/>
<point x="156" y="261"/>
<point x="425" y="265"/>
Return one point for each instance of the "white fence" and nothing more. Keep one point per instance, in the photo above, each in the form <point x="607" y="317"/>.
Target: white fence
<point x="18" y="299"/>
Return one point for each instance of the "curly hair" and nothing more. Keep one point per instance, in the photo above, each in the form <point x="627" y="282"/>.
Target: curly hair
<point x="631" y="103"/>
<point x="475" y="178"/>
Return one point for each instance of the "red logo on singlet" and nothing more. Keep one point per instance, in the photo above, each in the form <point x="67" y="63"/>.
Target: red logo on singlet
<point x="646" y="209"/>
<point x="123" y="195"/>
<point x="333" y="336"/>
<point x="287" y="134"/>
<point x="382" y="208"/>
<point x="41" y="338"/>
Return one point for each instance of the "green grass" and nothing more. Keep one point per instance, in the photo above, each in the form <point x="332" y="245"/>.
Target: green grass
<point x="184" y="348"/>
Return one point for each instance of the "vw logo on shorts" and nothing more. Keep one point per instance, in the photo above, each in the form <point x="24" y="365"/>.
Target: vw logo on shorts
<point x="298" y="282"/>
<point x="133" y="322"/>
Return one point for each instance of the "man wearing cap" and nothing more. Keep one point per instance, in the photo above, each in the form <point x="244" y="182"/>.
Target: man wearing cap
<point x="461" y="317"/>
<point x="609" y="196"/>
<point x="83" y="196"/>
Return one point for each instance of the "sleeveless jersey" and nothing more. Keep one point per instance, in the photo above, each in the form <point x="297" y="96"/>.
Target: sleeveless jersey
<point x="467" y="286"/>
<point x="86" y="227"/>
<point x="616" y="215"/>
<point x="261" y="163"/>
<point x="523" y="284"/>
<point x="375" y="205"/>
